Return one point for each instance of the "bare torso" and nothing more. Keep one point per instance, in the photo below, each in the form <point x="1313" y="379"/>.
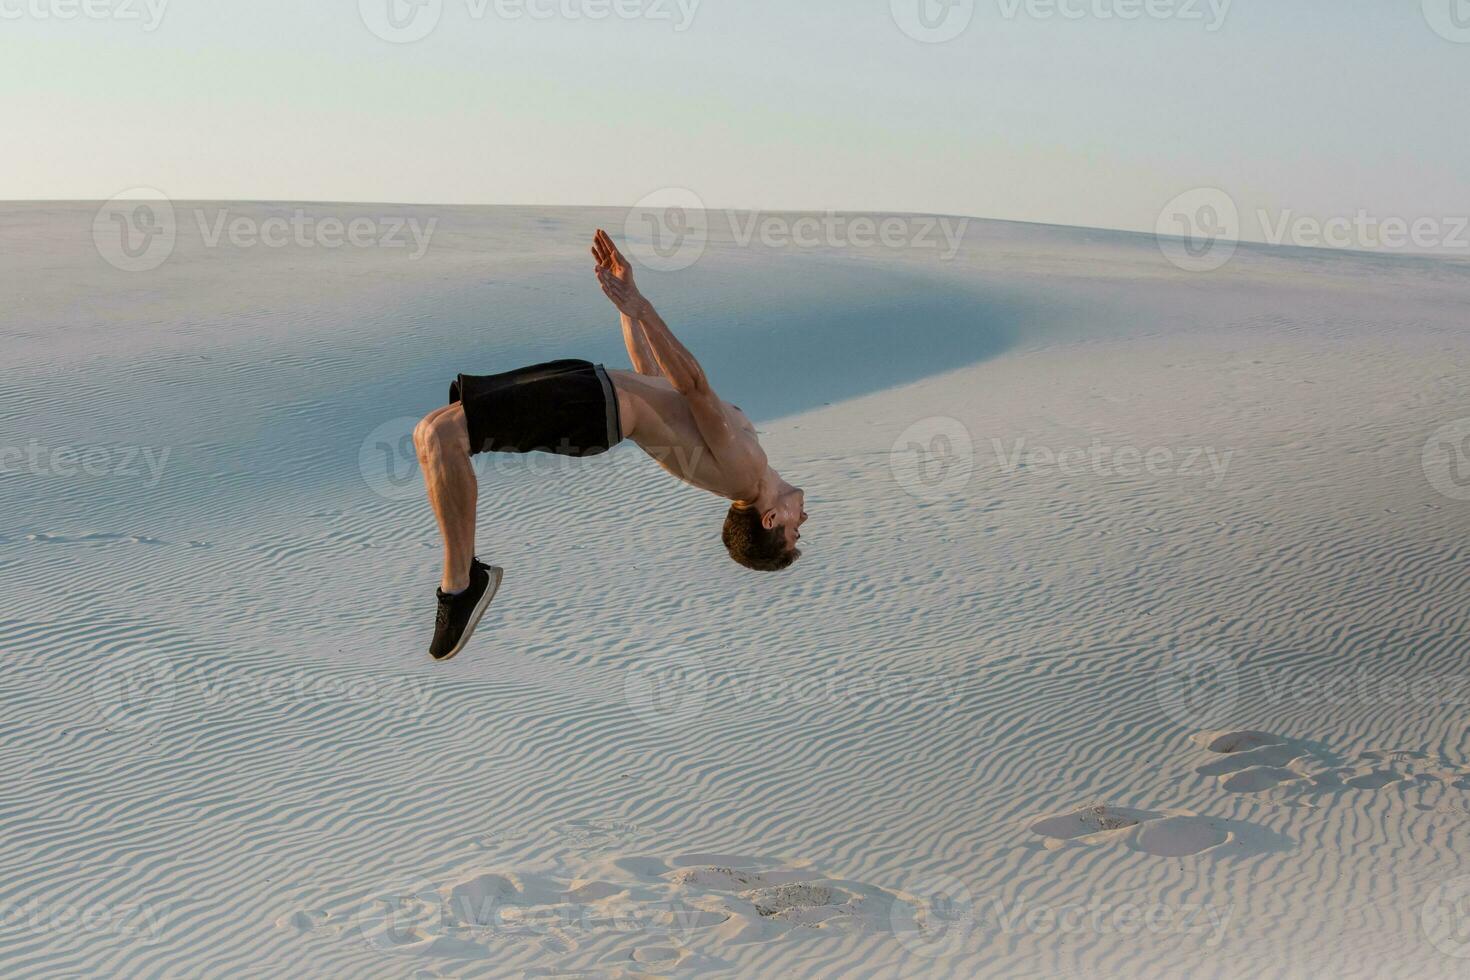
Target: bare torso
<point x="659" y="420"/>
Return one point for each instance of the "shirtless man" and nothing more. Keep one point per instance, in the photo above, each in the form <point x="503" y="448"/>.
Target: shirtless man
<point x="575" y="408"/>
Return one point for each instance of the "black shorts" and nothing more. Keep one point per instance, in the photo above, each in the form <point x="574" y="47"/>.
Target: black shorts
<point x="564" y="407"/>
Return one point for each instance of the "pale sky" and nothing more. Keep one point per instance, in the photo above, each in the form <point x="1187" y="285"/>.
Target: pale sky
<point x="1319" y="107"/>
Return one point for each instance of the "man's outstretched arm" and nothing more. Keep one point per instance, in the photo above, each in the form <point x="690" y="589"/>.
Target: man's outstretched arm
<point x="638" y="350"/>
<point x="681" y="369"/>
<point x="607" y="256"/>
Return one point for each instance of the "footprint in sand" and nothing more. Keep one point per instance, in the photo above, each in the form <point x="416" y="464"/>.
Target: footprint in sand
<point x="1256" y="779"/>
<point x="729" y="900"/>
<point x="306" y="920"/>
<point x="790" y="896"/>
<point x="763" y="900"/>
<point x="1163" y="834"/>
<point x="1298" y="772"/>
<point x="1180" y="836"/>
<point x="659" y="957"/>
<point x="1096" y="820"/>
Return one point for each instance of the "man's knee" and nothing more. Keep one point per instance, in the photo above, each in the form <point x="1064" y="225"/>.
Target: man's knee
<point x="442" y="434"/>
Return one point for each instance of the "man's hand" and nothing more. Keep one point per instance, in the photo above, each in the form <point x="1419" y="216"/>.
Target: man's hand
<point x="615" y="275"/>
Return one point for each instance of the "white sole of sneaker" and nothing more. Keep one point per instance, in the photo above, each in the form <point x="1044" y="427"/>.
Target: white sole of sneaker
<point x="496" y="574"/>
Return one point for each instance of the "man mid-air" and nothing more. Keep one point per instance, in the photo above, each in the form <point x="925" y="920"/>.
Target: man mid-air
<point x="575" y="408"/>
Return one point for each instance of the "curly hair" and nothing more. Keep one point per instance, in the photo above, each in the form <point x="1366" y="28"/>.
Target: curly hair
<point x="751" y="545"/>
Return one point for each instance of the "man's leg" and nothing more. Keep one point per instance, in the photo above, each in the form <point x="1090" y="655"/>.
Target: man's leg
<point x="443" y="443"/>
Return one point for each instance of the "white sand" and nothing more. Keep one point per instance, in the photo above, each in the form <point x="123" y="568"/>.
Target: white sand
<point x="1013" y="720"/>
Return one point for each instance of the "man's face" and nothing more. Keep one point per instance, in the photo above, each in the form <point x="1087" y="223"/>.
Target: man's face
<point x="790" y="514"/>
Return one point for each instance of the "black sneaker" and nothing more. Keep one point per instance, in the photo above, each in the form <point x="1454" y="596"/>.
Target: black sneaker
<point x="460" y="614"/>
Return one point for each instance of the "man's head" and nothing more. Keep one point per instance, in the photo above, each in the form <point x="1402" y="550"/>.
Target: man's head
<point x="765" y="540"/>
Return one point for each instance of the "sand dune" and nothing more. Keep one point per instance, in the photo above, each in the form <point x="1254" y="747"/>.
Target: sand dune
<point x="1148" y="659"/>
